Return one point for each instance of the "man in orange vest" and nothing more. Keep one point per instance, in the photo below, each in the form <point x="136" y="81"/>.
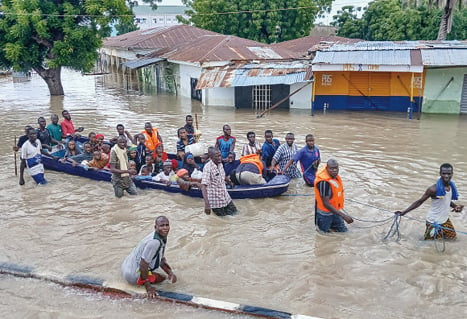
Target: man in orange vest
<point x="152" y="136"/>
<point x="329" y="199"/>
<point x="249" y="172"/>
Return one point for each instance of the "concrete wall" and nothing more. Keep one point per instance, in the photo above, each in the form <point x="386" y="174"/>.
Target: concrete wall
<point x="219" y="96"/>
<point x="187" y="72"/>
<point x="439" y="96"/>
<point x="301" y="99"/>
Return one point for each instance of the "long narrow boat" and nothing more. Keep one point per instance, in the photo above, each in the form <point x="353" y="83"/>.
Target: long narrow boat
<point x="274" y="187"/>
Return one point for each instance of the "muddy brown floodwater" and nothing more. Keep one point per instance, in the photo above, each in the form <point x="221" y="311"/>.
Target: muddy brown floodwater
<point x="268" y="255"/>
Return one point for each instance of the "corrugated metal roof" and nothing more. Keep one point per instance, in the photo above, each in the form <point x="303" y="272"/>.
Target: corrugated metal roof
<point x="444" y="57"/>
<point x="242" y="74"/>
<point x="246" y="79"/>
<point x="302" y="46"/>
<point x="136" y="64"/>
<point x="395" y="45"/>
<point x="156" y="38"/>
<point x="215" y="48"/>
<point x="386" y="57"/>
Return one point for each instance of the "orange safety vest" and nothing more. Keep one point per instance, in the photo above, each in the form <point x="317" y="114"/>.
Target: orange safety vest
<point x="151" y="140"/>
<point x="337" y="188"/>
<point x="253" y="159"/>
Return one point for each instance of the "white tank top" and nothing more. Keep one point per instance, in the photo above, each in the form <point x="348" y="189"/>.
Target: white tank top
<point x="439" y="210"/>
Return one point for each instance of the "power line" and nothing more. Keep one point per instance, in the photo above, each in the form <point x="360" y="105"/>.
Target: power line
<point x="129" y="15"/>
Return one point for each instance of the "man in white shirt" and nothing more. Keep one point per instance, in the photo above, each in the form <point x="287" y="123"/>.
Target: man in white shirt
<point x="31" y="157"/>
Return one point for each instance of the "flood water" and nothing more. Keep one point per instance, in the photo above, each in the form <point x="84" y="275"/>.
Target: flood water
<point x="270" y="254"/>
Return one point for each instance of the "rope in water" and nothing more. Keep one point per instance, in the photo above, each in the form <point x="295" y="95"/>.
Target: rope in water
<point x="394" y="229"/>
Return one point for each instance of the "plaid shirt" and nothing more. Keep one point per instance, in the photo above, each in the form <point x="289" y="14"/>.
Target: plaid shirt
<point x="214" y="179"/>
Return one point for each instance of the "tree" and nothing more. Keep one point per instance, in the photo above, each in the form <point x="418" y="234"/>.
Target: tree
<point x="46" y="35"/>
<point x="259" y="20"/>
<point x="395" y="20"/>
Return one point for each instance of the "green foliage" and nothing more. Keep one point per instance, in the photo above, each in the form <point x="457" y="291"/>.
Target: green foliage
<point x="257" y="20"/>
<point x="393" y="21"/>
<point x="40" y="33"/>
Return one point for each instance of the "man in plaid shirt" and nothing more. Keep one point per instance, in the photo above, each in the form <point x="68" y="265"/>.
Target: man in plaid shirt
<point x="213" y="187"/>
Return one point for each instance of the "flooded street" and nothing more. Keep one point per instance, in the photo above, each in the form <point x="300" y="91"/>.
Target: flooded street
<point x="268" y="255"/>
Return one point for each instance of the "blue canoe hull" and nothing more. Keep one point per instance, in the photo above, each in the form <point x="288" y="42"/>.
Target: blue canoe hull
<point x="275" y="187"/>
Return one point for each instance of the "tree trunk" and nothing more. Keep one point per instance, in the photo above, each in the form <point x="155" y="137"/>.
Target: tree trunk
<point x="446" y="20"/>
<point x="53" y="79"/>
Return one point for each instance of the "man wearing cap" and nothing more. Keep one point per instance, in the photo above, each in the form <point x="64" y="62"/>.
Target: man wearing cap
<point x="138" y="267"/>
<point x="166" y="174"/>
<point x="213" y="187"/>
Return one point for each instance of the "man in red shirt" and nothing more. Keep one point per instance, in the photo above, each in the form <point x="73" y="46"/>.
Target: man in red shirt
<point x="68" y="129"/>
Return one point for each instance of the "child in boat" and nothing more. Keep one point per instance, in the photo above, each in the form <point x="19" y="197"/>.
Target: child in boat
<point x="71" y="149"/>
<point x="100" y="141"/>
<point x="166" y="174"/>
<point x="99" y="161"/>
<point x="145" y="174"/>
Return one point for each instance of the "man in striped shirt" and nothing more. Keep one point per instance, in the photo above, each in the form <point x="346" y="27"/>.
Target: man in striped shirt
<point x="285" y="153"/>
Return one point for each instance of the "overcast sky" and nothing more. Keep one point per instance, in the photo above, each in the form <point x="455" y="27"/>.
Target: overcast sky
<point x="337" y="4"/>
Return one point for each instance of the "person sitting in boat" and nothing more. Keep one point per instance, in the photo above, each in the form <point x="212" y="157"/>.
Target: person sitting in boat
<point x="231" y="163"/>
<point x="183" y="140"/>
<point x="163" y="156"/>
<point x="132" y="154"/>
<point x="99" y="161"/>
<point x="44" y="135"/>
<point x="194" y="170"/>
<point x="190" y="129"/>
<point x="149" y="163"/>
<point x="71" y="150"/>
<point x="252" y="147"/>
<point x="87" y="155"/>
<point x="92" y="139"/>
<point x="141" y="151"/>
<point x="100" y="141"/>
<point x="152" y="137"/>
<point x="166" y="174"/>
<point x="68" y="128"/>
<point x="184" y="180"/>
<point x="106" y="150"/>
<point x="249" y="172"/>
<point x="145" y="174"/>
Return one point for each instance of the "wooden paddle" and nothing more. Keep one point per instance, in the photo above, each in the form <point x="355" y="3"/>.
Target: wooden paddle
<point x="197" y="135"/>
<point x="16" y="165"/>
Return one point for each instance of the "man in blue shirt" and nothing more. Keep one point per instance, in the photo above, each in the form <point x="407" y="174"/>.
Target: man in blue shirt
<point x="309" y="158"/>
<point x="269" y="148"/>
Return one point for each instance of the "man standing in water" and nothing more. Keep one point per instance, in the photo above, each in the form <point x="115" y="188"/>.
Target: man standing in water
<point x="309" y="158"/>
<point x="442" y="195"/>
<point x="138" y="267"/>
<point x="31" y="158"/>
<point x="329" y="199"/>
<point x="213" y="187"/>
<point x="121" y="179"/>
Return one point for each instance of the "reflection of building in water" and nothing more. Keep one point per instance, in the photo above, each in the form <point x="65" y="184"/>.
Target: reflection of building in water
<point x="146" y="18"/>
